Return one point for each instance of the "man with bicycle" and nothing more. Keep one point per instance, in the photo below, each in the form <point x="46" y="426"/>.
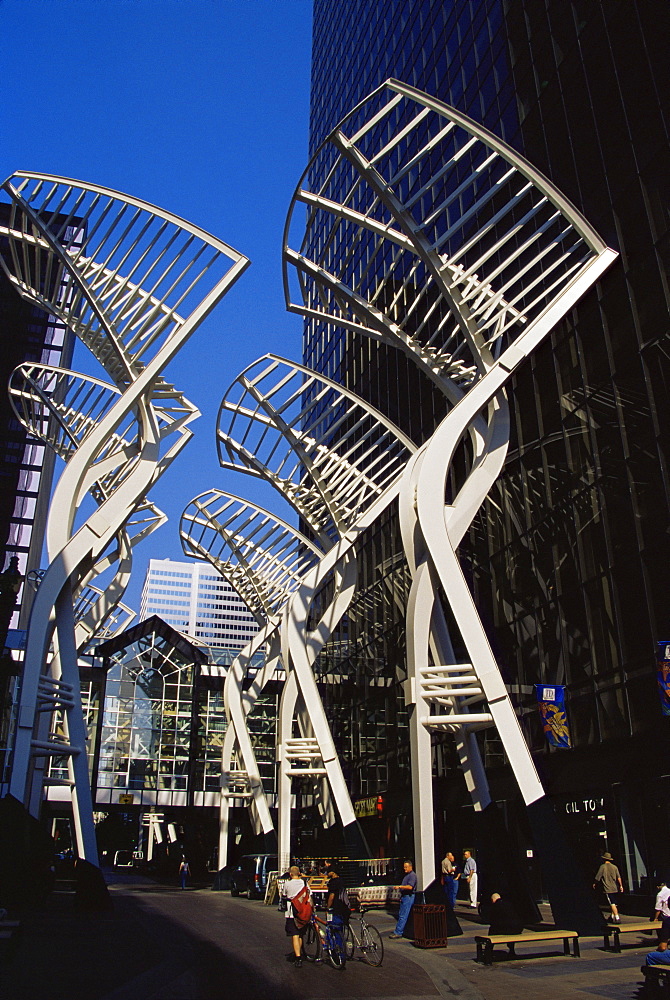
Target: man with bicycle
<point x="337" y="904"/>
<point x="299" y="897"/>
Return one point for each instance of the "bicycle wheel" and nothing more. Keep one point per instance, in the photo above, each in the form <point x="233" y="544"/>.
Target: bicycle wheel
<point x="337" y="955"/>
<point x="311" y="943"/>
<point x="349" y="942"/>
<point x="372" y="946"/>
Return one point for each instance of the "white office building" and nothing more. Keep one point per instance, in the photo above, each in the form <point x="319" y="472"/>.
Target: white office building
<point x="196" y="600"/>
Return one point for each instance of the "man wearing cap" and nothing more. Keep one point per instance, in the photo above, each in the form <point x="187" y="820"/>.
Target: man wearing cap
<point x="609" y="880"/>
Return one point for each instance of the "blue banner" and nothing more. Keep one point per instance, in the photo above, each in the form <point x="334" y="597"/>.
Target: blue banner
<point x="663" y="674"/>
<point x="551" y="702"/>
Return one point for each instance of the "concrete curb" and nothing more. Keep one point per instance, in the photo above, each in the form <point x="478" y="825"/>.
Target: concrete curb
<point x="435" y="962"/>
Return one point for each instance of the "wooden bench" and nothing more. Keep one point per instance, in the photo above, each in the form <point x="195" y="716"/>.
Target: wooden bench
<point x="657" y="975"/>
<point x="486" y="943"/>
<point x="636" y="928"/>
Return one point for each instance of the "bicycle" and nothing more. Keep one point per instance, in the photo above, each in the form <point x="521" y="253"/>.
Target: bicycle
<point x="368" y="941"/>
<point x="329" y="940"/>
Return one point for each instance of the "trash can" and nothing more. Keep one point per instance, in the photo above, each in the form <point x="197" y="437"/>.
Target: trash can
<point x="430" y="925"/>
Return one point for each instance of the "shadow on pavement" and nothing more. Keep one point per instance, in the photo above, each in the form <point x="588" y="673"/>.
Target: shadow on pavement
<point x="129" y="953"/>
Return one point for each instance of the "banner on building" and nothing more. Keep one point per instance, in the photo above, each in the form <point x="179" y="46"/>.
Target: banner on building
<point x="663" y="674"/>
<point x="372" y="806"/>
<point x="551" y="702"/>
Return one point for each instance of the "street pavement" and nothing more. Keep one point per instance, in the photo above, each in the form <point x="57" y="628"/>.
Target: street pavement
<point x="161" y="943"/>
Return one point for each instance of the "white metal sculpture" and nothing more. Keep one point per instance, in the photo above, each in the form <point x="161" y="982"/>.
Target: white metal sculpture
<point x="335" y="459"/>
<point x="264" y="559"/>
<point x="262" y="432"/>
<point x="133" y="282"/>
<point x="60" y="407"/>
<point x="423" y="231"/>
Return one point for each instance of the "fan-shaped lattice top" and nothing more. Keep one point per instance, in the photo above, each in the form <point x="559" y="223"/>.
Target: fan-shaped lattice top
<point x="423" y="229"/>
<point x="328" y="452"/>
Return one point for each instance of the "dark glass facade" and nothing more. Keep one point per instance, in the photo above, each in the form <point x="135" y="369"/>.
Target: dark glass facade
<point x="28" y="335"/>
<point x="567" y="558"/>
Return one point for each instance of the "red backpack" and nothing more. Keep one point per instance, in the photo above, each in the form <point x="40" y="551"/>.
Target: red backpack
<point x="302" y="907"/>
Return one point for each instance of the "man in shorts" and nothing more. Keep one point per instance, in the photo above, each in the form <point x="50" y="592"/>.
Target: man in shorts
<point x="291" y="889"/>
<point x="608" y="879"/>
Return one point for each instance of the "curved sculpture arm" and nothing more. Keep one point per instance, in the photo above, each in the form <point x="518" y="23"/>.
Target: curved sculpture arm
<point x="98" y="619"/>
<point x="263" y="557"/>
<point x="105" y="615"/>
<point x="57" y="405"/>
<point x="117" y="269"/>
<point x="325" y="449"/>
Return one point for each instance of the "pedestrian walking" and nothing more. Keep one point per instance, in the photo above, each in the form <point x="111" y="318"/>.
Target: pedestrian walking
<point x="299" y="908"/>
<point x="608" y="880"/>
<point x="470" y="875"/>
<point x="407" y="896"/>
<point x="184" y="872"/>
<point x="450" y="877"/>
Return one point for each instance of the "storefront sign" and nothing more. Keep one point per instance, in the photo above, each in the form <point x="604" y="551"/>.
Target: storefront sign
<point x="371" y="806"/>
<point x="663" y="674"/>
<point x="551" y="702"/>
<point x="586" y="806"/>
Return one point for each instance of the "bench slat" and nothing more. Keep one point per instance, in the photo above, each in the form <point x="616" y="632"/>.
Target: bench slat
<point x="647" y="925"/>
<point x="638" y="928"/>
<point x="529" y="936"/>
<point x="485" y="942"/>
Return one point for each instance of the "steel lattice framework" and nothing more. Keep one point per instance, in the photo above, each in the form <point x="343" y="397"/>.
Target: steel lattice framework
<point x="132" y="282"/>
<point x="421" y="230"/>
<point x="334" y="488"/>
<point x="416" y="227"/>
<point x="264" y="559"/>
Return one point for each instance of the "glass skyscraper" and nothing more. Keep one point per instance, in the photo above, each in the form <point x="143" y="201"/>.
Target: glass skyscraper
<point x="567" y="557"/>
<point x="193" y="598"/>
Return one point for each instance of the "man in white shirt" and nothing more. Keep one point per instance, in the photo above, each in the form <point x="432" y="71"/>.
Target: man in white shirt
<point x="661" y="906"/>
<point x="470" y="876"/>
<point x="295" y="884"/>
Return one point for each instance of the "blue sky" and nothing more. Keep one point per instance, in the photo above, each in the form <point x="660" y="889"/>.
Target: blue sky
<point x="200" y="107"/>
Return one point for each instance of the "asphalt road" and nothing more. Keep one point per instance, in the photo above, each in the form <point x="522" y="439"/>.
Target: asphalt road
<point x="161" y="943"/>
